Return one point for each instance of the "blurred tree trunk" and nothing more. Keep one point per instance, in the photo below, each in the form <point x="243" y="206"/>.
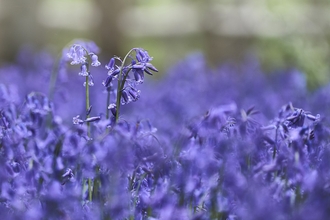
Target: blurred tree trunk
<point x="221" y="47"/>
<point x="108" y="35"/>
<point x="19" y="26"/>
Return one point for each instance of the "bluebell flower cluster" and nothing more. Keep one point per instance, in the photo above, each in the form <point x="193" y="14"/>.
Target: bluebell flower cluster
<point x="214" y="143"/>
<point x="128" y="84"/>
<point x="126" y="90"/>
<point x="81" y="53"/>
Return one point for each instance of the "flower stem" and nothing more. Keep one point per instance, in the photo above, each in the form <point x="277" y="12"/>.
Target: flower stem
<point x="121" y="83"/>
<point x="90" y="191"/>
<point x="90" y="188"/>
<point x="96" y="184"/>
<point x="87" y="106"/>
<point x="108" y="103"/>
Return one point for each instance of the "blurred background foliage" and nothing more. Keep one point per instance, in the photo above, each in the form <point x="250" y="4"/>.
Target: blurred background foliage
<point x="282" y="34"/>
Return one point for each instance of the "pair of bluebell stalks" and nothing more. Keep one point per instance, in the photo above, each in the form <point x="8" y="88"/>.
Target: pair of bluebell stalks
<point x="127" y="73"/>
<point x="82" y="54"/>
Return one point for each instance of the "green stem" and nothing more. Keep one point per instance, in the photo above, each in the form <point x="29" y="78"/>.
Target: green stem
<point x="83" y="188"/>
<point x="108" y="103"/>
<point x="90" y="191"/>
<point x="248" y="161"/>
<point x="51" y="91"/>
<point x="96" y="184"/>
<point x="87" y="107"/>
<point x="121" y="83"/>
<point x="274" y="151"/>
<point x="90" y="188"/>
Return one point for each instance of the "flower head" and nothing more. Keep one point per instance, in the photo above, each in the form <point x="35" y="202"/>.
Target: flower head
<point x="142" y="65"/>
<point x="113" y="69"/>
<point x="142" y="56"/>
<point x="84" y="53"/>
<point x="130" y="94"/>
<point x="77" y="54"/>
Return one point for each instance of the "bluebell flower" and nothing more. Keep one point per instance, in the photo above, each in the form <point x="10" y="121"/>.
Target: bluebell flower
<point x="72" y="54"/>
<point x="113" y="69"/>
<point x="67" y="176"/>
<point x="142" y="55"/>
<point x="93" y="119"/>
<point x="77" y="121"/>
<point x="110" y="66"/>
<point x="124" y="98"/>
<point x="90" y="80"/>
<point x="112" y="107"/>
<point x="78" y="53"/>
<point x="95" y="61"/>
<point x="134" y="93"/>
<point x="138" y="73"/>
<point x="84" y="69"/>
<point x="107" y="81"/>
<point x="130" y="94"/>
<point x="141" y="65"/>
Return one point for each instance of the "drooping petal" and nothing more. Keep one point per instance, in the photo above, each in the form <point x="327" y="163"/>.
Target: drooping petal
<point x="151" y="67"/>
<point x="107" y="81"/>
<point x="111" y="64"/>
<point x="138" y="75"/>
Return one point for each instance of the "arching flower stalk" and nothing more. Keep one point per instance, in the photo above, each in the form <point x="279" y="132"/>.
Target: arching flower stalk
<point x="127" y="91"/>
<point x="82" y="54"/>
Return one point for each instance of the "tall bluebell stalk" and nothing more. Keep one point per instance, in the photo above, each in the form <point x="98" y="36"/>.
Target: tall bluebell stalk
<point x="121" y="83"/>
<point x="126" y="87"/>
<point x="108" y="102"/>
<point x="78" y="54"/>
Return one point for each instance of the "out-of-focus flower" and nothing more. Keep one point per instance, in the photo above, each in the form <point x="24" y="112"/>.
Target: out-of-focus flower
<point x="77" y="121"/>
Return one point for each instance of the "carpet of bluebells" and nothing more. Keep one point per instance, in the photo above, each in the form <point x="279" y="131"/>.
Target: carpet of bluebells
<point x="86" y="139"/>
